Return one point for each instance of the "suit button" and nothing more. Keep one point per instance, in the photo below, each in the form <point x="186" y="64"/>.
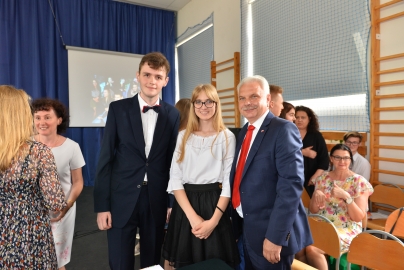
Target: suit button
<point x="147" y="164"/>
<point x="138" y="186"/>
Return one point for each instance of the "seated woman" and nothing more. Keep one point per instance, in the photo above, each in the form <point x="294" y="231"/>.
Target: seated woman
<point x="341" y="196"/>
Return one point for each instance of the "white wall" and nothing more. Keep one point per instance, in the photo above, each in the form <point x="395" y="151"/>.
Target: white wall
<point x="227" y="40"/>
<point x="226" y="23"/>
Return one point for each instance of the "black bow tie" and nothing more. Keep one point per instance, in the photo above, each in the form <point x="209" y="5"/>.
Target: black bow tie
<point x="156" y="108"/>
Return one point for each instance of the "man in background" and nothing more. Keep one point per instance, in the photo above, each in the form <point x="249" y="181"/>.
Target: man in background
<point x="361" y="165"/>
<point x="276" y="103"/>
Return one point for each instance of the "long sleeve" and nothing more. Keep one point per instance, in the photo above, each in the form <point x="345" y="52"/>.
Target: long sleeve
<point x="49" y="182"/>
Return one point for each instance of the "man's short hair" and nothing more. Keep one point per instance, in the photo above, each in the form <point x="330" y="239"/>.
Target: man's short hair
<point x="274" y="89"/>
<point x="353" y="134"/>
<point x="155" y="60"/>
<point x="256" y="78"/>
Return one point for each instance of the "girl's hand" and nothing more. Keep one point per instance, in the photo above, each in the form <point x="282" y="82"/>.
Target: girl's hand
<point x="195" y="221"/>
<point x="203" y="230"/>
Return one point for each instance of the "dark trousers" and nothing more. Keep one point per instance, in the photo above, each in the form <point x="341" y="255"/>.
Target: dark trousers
<point x="254" y="261"/>
<point x="121" y="241"/>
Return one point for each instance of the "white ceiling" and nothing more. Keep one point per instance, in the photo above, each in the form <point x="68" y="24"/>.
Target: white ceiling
<point x="174" y="5"/>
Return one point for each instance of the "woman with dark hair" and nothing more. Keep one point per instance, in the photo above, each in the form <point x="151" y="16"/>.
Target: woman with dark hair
<point x="288" y="112"/>
<point x="51" y="119"/>
<point x="341" y="196"/>
<point x="314" y="147"/>
<point x="29" y="188"/>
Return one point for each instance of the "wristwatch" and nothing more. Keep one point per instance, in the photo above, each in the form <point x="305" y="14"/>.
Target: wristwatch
<point x="349" y="200"/>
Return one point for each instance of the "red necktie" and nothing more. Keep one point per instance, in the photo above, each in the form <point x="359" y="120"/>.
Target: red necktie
<point x="240" y="167"/>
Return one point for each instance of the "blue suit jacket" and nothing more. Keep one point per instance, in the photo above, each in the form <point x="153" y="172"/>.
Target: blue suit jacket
<point x="271" y="187"/>
<point x="122" y="163"/>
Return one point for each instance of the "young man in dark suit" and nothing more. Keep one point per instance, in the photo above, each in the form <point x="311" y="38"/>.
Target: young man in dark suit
<point x="133" y="168"/>
<point x="267" y="182"/>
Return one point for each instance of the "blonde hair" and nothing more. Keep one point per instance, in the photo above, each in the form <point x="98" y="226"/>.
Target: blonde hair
<point x="193" y="120"/>
<point x="16" y="125"/>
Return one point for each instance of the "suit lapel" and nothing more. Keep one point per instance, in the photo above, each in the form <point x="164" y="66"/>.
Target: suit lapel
<point x="160" y="126"/>
<point x="240" y="140"/>
<point x="135" y="119"/>
<point x="257" y="142"/>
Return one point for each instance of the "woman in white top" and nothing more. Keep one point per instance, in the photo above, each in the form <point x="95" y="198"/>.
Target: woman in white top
<point x="199" y="227"/>
<point x="51" y="119"/>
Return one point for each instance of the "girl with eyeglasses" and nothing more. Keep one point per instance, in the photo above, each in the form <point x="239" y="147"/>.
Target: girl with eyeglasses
<point x="200" y="227"/>
<point x="341" y="196"/>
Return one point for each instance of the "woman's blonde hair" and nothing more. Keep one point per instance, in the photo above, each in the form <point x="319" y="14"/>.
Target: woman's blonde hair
<point x="16" y="125"/>
<point x="193" y="120"/>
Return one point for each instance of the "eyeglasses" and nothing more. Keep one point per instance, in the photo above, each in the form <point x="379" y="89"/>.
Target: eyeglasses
<point x="338" y="158"/>
<point x="208" y="103"/>
<point x="351" y="143"/>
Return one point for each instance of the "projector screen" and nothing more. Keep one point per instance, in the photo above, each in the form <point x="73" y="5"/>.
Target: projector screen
<point x="96" y="78"/>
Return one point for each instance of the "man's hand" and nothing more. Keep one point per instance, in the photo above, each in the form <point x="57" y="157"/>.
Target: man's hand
<point x="271" y="251"/>
<point x="104" y="220"/>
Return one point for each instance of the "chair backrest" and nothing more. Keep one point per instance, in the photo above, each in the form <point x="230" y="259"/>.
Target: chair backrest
<point x="376" y="253"/>
<point x="325" y="235"/>
<point x="388" y="194"/>
<point x="305" y="198"/>
<point x="392" y="219"/>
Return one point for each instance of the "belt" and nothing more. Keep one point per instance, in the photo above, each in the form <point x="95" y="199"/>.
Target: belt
<point x="144" y="183"/>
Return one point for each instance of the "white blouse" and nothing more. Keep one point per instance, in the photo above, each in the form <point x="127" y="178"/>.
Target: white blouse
<point x="203" y="162"/>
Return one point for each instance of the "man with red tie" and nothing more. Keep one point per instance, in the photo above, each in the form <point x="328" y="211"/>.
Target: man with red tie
<point x="267" y="181"/>
<point x="133" y="168"/>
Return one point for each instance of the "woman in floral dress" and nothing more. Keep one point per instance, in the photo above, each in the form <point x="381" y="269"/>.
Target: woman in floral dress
<point x="341" y="196"/>
<point x="29" y="188"/>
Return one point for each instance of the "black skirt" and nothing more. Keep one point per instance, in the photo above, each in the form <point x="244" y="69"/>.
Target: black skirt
<point x="182" y="248"/>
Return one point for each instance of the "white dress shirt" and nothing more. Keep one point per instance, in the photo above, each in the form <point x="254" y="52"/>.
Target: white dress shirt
<point x="207" y="160"/>
<point x="149" y="120"/>
<point x="361" y="166"/>
<point x="257" y="124"/>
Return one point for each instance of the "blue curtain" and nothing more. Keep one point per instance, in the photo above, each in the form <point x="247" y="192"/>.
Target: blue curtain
<point x="33" y="56"/>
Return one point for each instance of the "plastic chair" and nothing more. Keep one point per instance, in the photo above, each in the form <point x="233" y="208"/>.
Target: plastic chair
<point x="376" y="253"/>
<point x="387" y="194"/>
<point x="325" y="236"/>
<point x="396" y="219"/>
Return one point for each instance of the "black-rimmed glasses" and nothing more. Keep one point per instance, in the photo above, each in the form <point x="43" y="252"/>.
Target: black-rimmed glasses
<point x="208" y="103"/>
<point x="338" y="158"/>
<point x="351" y="143"/>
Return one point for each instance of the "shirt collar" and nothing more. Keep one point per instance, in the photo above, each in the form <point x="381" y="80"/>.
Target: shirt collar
<point x="257" y="124"/>
<point x="143" y="103"/>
